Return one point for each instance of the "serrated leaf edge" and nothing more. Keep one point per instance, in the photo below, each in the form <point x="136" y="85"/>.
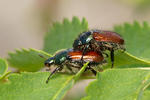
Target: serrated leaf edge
<point x="5" y="72"/>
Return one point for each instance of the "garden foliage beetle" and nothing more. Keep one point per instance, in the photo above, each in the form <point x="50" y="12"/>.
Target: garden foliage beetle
<point x="100" y="41"/>
<point x="71" y="58"/>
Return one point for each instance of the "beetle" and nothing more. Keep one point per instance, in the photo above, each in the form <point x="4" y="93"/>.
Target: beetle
<point x="71" y="58"/>
<point x="100" y="41"/>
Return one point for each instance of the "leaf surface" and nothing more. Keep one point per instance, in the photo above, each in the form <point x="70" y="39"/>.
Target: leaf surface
<point x="3" y="67"/>
<point x="27" y="60"/>
<point x="146" y="95"/>
<point x="119" y="84"/>
<point x="137" y="39"/>
<point x="62" y="35"/>
<point x="32" y="86"/>
<point x="126" y="60"/>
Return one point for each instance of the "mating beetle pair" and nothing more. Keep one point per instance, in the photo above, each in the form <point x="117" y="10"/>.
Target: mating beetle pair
<point x="99" y="41"/>
<point x="88" y="47"/>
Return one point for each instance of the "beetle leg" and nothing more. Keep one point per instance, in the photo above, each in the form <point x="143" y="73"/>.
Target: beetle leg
<point x="84" y="50"/>
<point x="74" y="66"/>
<point x="112" y="58"/>
<point x="123" y="50"/>
<point x="69" y="65"/>
<point x="104" y="54"/>
<point x="70" y="69"/>
<point x="55" y="70"/>
<point x="92" y="70"/>
<point x="83" y="53"/>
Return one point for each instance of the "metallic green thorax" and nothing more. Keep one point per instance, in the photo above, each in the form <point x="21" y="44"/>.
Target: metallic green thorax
<point x="60" y="57"/>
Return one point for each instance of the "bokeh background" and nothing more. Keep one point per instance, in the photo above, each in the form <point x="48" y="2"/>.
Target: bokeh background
<point x="23" y="23"/>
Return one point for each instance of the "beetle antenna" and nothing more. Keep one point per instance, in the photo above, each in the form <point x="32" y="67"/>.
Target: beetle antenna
<point x="42" y="56"/>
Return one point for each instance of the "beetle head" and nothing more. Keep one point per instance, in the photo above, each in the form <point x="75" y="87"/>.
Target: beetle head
<point x="49" y="62"/>
<point x="77" y="43"/>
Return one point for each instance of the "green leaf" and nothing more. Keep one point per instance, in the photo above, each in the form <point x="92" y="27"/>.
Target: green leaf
<point x="32" y="86"/>
<point x="146" y="95"/>
<point x="77" y="76"/>
<point x="126" y="60"/>
<point x="119" y="84"/>
<point x="3" y="67"/>
<point x="27" y="60"/>
<point x="137" y="39"/>
<point x="62" y="35"/>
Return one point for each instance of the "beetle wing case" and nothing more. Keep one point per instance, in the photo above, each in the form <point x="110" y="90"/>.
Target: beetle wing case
<point x="88" y="57"/>
<point x="108" y="36"/>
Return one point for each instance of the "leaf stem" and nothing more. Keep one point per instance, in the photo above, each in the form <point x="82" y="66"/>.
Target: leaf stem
<point x="77" y="76"/>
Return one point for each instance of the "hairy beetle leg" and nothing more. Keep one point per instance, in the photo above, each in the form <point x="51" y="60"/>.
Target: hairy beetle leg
<point x="112" y="58"/>
<point x="55" y="70"/>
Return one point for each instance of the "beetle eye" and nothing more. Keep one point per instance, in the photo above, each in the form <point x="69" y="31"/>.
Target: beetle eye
<point x="80" y="43"/>
<point x="51" y="61"/>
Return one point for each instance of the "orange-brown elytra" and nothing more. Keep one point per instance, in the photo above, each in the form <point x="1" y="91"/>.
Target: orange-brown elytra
<point x="108" y="36"/>
<point x="91" y="56"/>
<point x="71" y="58"/>
<point x="99" y="41"/>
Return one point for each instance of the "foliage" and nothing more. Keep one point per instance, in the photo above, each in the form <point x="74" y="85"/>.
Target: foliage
<point x="127" y="84"/>
<point x="3" y="68"/>
<point x="127" y="81"/>
<point x="32" y="86"/>
<point x="137" y="38"/>
<point x="27" y="60"/>
<point x="61" y="36"/>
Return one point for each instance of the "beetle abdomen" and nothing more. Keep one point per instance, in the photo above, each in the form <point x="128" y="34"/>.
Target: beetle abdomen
<point x="108" y="36"/>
